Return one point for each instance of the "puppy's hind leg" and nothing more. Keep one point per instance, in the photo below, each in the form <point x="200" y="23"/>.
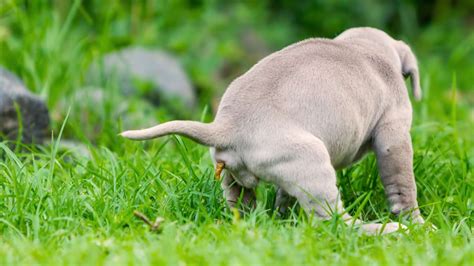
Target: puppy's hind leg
<point x="236" y="195"/>
<point x="283" y="201"/>
<point x="305" y="172"/>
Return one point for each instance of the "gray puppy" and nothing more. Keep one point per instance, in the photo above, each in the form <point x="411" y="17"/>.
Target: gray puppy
<point x="309" y="109"/>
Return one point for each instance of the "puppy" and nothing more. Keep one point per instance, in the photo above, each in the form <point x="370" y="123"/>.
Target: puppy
<point x="309" y="109"/>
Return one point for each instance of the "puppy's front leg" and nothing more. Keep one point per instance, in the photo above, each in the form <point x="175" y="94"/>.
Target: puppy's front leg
<point x="393" y="149"/>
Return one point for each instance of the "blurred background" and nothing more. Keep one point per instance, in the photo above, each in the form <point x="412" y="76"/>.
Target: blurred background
<point x="122" y="64"/>
<point x="83" y="71"/>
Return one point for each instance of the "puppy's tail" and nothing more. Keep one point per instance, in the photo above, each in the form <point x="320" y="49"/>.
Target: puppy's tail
<point x="409" y="67"/>
<point x="205" y="134"/>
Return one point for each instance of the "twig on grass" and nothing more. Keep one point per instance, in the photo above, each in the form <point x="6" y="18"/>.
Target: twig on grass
<point x="154" y="227"/>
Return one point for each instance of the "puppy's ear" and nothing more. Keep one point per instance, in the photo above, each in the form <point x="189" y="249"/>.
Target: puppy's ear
<point x="409" y="67"/>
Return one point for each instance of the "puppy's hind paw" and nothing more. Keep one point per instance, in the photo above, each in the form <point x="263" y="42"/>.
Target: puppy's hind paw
<point x="381" y="229"/>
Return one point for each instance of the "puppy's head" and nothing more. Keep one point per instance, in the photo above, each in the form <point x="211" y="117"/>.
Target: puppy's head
<point x="406" y="57"/>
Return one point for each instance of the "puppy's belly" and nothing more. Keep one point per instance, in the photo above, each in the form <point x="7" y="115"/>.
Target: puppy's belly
<point x="353" y="157"/>
<point x="345" y="145"/>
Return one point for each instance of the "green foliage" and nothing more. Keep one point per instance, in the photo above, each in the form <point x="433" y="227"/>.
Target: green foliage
<point x="60" y="207"/>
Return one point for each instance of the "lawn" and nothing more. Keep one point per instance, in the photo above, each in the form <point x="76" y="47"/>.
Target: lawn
<point x="61" y="206"/>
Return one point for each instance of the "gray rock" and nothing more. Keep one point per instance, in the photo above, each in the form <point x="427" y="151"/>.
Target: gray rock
<point x="33" y="111"/>
<point x="152" y="73"/>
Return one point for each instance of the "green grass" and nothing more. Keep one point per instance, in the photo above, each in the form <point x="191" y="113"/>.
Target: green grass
<point x="59" y="207"/>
